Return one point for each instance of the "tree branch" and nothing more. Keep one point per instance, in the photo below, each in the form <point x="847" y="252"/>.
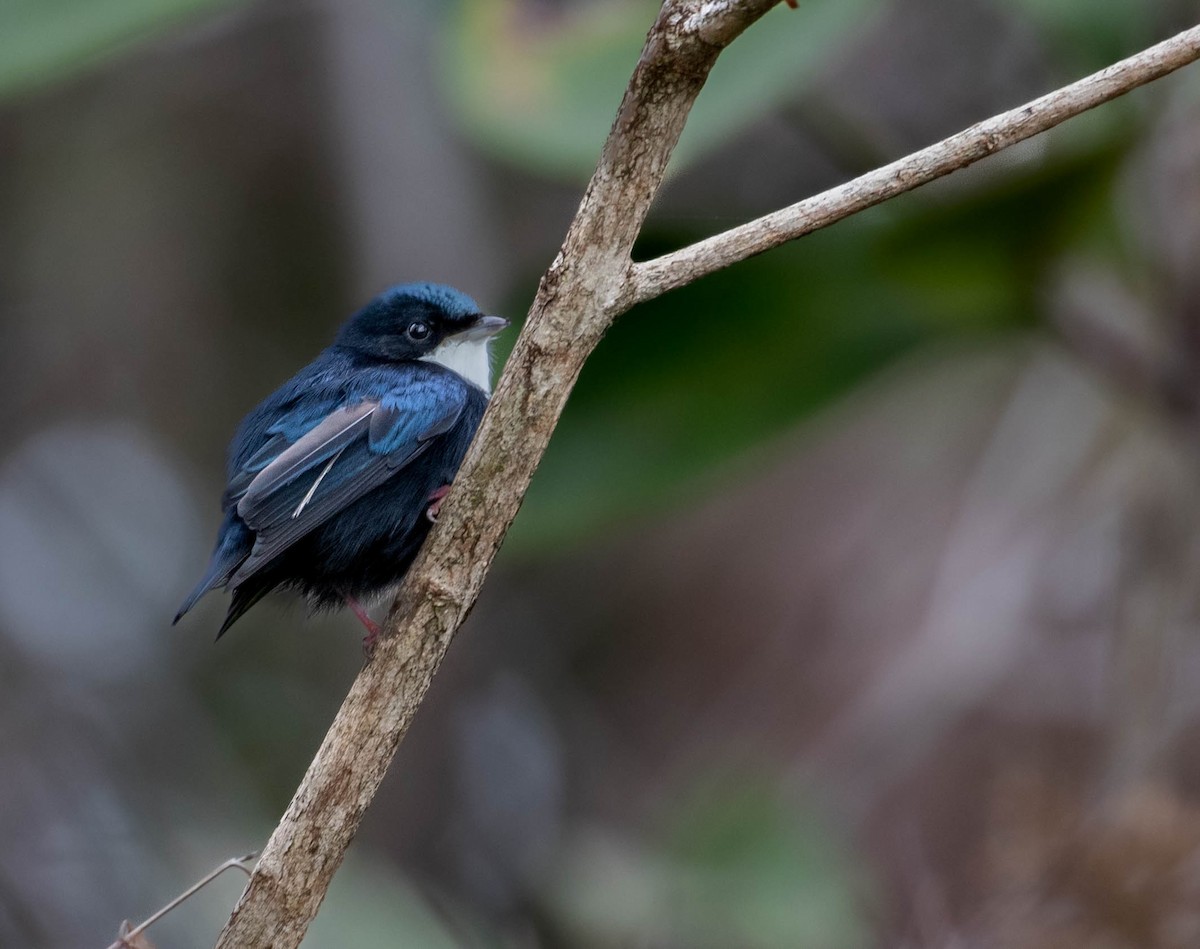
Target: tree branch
<point x="590" y="282"/>
<point x="584" y="289"/>
<point x="677" y="269"/>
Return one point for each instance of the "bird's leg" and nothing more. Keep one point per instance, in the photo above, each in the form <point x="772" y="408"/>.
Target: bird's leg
<point x="435" y="503"/>
<point x="371" y="626"/>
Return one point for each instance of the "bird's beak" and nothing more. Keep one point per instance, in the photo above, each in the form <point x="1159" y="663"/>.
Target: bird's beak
<point x="484" y="327"/>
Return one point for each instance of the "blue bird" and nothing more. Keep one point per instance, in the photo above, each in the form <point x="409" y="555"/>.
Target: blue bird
<point x="334" y="479"/>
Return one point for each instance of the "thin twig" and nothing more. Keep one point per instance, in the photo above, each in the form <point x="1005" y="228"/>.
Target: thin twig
<point x="681" y="267"/>
<point x="233" y="862"/>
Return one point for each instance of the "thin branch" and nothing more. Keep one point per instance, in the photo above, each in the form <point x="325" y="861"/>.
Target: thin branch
<point x="591" y="281"/>
<point x="129" y="935"/>
<point x="579" y="296"/>
<point x="655" y="277"/>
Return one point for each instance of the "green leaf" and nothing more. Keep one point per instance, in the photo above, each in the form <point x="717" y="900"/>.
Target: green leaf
<point x="541" y="91"/>
<point x="45" y="40"/>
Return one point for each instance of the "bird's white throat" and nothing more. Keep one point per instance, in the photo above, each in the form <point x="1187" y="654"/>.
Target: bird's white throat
<point x="469" y="358"/>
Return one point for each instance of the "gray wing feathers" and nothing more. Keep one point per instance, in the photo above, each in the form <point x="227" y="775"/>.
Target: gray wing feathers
<point x="345" y="456"/>
<point x="283" y="529"/>
<point x="325" y="440"/>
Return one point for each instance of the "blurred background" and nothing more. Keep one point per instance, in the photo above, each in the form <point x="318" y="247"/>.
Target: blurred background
<point x="855" y="603"/>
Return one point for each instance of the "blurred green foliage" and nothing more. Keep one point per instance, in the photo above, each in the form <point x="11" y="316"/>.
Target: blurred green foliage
<point x="46" y="40"/>
<point x="715" y="369"/>
<point x="1092" y="34"/>
<point x="695" y="383"/>
<point x="542" y="95"/>
<point x="739" y="866"/>
<point x="688" y="383"/>
<point x="372" y="906"/>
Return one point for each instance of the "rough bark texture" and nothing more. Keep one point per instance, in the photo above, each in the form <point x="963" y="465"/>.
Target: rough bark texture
<point x="591" y="281"/>
<point x="584" y="289"/>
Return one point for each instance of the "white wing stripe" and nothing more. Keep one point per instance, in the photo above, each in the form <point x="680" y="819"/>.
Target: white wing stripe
<point x="316" y="484"/>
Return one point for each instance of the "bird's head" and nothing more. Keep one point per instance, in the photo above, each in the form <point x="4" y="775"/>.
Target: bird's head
<point x="425" y="321"/>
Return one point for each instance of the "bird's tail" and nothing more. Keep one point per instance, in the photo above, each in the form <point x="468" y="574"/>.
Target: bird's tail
<point x="244" y="597"/>
<point x="215" y="577"/>
<point x="233" y="546"/>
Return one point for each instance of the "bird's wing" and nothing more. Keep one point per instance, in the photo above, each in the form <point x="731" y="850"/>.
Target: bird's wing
<point x="346" y="454"/>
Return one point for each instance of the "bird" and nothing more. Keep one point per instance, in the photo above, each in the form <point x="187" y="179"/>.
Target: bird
<point x="333" y="480"/>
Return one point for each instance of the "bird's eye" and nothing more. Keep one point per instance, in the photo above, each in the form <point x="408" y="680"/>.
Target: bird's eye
<point x="418" y="330"/>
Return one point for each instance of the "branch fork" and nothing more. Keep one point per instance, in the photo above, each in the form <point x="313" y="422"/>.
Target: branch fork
<point x="591" y="281"/>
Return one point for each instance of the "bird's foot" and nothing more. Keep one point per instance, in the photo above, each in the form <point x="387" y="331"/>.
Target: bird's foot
<point x="435" y="503"/>
<point x="373" y="629"/>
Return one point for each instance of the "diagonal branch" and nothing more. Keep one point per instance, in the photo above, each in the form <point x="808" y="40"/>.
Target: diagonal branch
<point x="591" y="281"/>
<point x="674" y="270"/>
<point x="579" y="296"/>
